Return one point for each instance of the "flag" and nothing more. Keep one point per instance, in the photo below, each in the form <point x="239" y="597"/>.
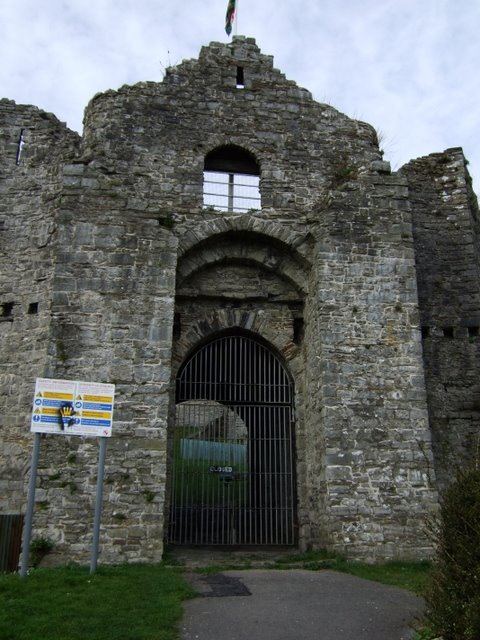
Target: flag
<point x="230" y="16"/>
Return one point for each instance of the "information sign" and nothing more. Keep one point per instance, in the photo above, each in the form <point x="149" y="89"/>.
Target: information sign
<point x="71" y="407"/>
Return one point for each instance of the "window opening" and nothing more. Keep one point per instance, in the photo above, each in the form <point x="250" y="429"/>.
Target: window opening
<point x="177" y="326"/>
<point x="472" y="332"/>
<point x="298" y="329"/>
<point x="425" y="332"/>
<point x="240" y="78"/>
<point x="20" y="143"/>
<point x="448" y="332"/>
<point x="6" y="310"/>
<point x="231" y="180"/>
<point x="33" y="308"/>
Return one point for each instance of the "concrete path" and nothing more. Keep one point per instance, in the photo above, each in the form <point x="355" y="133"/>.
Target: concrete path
<point x="298" y="605"/>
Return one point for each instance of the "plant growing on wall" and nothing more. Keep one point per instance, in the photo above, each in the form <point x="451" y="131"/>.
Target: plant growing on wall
<point x="344" y="170"/>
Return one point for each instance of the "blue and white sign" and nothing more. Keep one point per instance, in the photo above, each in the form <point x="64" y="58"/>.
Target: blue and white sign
<point x="72" y="407"/>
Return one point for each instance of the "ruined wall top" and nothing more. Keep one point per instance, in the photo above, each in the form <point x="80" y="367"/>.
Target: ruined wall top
<point x="230" y="96"/>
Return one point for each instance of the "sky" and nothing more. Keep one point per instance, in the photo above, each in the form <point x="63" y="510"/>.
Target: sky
<point x="408" y="67"/>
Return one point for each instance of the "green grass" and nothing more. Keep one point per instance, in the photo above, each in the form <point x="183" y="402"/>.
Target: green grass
<point x="411" y="576"/>
<point x="129" y="602"/>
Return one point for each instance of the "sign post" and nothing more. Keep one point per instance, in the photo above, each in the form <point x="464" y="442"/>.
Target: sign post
<point x="69" y="407"/>
<point x="27" y="529"/>
<point x="98" y="505"/>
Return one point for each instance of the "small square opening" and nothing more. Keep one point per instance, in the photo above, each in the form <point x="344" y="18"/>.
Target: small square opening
<point x="473" y="332"/>
<point x="33" y="308"/>
<point x="6" y="310"/>
<point x="448" y="332"/>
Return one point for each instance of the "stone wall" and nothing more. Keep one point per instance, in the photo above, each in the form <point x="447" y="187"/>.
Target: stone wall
<point x="112" y="316"/>
<point x="378" y="475"/>
<point x="446" y="231"/>
<point x="30" y="192"/>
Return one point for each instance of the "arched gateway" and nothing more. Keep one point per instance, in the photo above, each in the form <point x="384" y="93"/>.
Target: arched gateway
<point x="233" y="478"/>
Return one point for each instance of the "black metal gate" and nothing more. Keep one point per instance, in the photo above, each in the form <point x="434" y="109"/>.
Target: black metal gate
<point x="233" y="479"/>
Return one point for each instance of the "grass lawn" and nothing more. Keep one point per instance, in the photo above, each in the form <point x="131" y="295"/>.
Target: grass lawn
<point x="411" y="576"/>
<point x="128" y="602"/>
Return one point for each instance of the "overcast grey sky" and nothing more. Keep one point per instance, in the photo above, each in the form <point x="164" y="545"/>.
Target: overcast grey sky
<point x="408" y="67"/>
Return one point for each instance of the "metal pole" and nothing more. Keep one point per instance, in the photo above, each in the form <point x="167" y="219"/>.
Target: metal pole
<point x="27" y="529"/>
<point x="231" y="178"/>
<point x="98" y="504"/>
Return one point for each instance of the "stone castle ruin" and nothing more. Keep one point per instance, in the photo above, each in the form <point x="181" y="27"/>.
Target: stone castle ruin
<point x="225" y="249"/>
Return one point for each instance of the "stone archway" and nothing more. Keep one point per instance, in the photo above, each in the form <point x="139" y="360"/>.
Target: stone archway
<point x="233" y="476"/>
<point x="239" y="277"/>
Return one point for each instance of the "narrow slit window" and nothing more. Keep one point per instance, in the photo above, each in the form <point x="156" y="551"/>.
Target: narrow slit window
<point x="231" y="180"/>
<point x="177" y="326"/>
<point x="240" y="78"/>
<point x="298" y="330"/>
<point x="20" y="143"/>
<point x="425" y="332"/>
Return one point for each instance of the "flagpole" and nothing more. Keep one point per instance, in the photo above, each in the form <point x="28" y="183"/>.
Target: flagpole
<point x="235" y="18"/>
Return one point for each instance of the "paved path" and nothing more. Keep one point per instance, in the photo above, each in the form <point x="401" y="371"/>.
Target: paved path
<point x="298" y="605"/>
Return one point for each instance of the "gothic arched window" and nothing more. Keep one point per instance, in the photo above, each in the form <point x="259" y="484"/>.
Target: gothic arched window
<point x="231" y="180"/>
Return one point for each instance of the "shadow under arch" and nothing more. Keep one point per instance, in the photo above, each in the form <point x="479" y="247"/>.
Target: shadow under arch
<point x="232" y="158"/>
<point x="269" y="231"/>
<point x="233" y="476"/>
<point x="250" y="323"/>
<point x="250" y="248"/>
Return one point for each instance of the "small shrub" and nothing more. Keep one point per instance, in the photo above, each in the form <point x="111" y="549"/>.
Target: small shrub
<point x="167" y="222"/>
<point x="61" y="351"/>
<point x="344" y="171"/>
<point x="39" y="548"/>
<point x="453" y="593"/>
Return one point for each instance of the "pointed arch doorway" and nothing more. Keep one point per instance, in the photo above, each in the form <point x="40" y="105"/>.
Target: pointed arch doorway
<point x="233" y="476"/>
